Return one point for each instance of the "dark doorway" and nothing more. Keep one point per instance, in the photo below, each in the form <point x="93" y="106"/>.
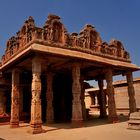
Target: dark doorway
<point x="62" y="88"/>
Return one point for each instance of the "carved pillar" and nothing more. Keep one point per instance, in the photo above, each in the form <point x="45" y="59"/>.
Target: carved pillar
<point x="21" y="102"/>
<point x="131" y="92"/>
<point x="49" y="95"/>
<point x="76" y="90"/>
<point x="2" y="104"/>
<point x="36" y="122"/>
<point x="112" y="115"/>
<point x="14" y="121"/>
<point x="102" y="99"/>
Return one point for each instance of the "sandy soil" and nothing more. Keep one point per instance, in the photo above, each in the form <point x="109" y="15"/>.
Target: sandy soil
<point x="94" y="129"/>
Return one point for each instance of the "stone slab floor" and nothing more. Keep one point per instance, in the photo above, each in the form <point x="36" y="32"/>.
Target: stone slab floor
<point x="92" y="130"/>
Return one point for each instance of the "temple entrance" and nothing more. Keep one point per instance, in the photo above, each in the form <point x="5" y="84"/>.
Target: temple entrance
<point x="62" y="88"/>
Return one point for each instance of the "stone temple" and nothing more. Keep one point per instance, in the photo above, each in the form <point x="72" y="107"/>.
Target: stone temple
<point x="43" y="72"/>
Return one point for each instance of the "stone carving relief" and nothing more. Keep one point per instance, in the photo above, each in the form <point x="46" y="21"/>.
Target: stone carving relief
<point x="36" y="87"/>
<point x="26" y="32"/>
<point x="120" y="51"/>
<point x="54" y="30"/>
<point x="15" y="99"/>
<point x="54" y="33"/>
<point x="91" y="38"/>
<point x="74" y="39"/>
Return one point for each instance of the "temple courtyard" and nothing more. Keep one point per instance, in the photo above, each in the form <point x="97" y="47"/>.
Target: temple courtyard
<point x="93" y="129"/>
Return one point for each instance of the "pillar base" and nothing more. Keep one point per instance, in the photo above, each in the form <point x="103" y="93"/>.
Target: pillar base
<point x="14" y="124"/>
<point x="77" y="123"/>
<point x="113" y="119"/>
<point x="36" y="129"/>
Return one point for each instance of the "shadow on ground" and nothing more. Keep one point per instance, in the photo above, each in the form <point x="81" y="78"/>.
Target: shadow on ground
<point x="93" y="121"/>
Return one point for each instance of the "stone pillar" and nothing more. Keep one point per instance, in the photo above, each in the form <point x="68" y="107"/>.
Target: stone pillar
<point x="83" y="99"/>
<point x="49" y="95"/>
<point x="131" y="92"/>
<point x="14" y="121"/>
<point x="112" y="115"/>
<point x="21" y="103"/>
<point x="76" y="91"/>
<point x="102" y="99"/>
<point x="36" y="122"/>
<point x="2" y="104"/>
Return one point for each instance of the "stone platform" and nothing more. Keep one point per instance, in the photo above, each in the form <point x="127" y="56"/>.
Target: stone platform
<point x="134" y="121"/>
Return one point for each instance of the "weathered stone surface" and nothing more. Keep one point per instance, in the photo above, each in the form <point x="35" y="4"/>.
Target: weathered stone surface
<point x="112" y="115"/>
<point x="134" y="121"/>
<point x="49" y="95"/>
<point x="131" y="92"/>
<point x="85" y="54"/>
<point x="102" y="99"/>
<point x="76" y="90"/>
<point x="54" y="33"/>
<point x="36" y="122"/>
<point x="14" y="121"/>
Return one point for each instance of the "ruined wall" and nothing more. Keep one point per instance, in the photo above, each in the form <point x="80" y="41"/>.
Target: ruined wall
<point x="121" y="96"/>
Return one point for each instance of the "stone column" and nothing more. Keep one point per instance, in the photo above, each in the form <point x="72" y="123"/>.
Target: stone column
<point x="21" y="103"/>
<point x="131" y="92"/>
<point x="102" y="99"/>
<point x="76" y="91"/>
<point x="112" y="115"/>
<point x="2" y="104"/>
<point x="14" y="121"/>
<point x="49" y="95"/>
<point x="36" y="122"/>
<point x="83" y="99"/>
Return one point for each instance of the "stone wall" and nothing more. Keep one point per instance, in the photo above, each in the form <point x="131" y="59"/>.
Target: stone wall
<point x="121" y="96"/>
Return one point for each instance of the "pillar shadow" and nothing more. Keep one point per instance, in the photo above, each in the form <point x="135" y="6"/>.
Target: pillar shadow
<point x="92" y="122"/>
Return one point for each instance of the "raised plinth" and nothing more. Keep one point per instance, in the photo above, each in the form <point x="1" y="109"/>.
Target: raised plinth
<point x="14" y="124"/>
<point x="36" y="129"/>
<point x="134" y="121"/>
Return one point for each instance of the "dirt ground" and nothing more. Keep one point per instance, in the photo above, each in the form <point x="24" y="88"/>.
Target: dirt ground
<point x="94" y="129"/>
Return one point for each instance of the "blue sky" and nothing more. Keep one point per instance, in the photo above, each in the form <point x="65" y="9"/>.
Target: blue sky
<point x="118" y="19"/>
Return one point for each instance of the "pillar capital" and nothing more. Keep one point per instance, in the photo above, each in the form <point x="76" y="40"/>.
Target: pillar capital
<point x="36" y="65"/>
<point x="107" y="71"/>
<point x="128" y="72"/>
